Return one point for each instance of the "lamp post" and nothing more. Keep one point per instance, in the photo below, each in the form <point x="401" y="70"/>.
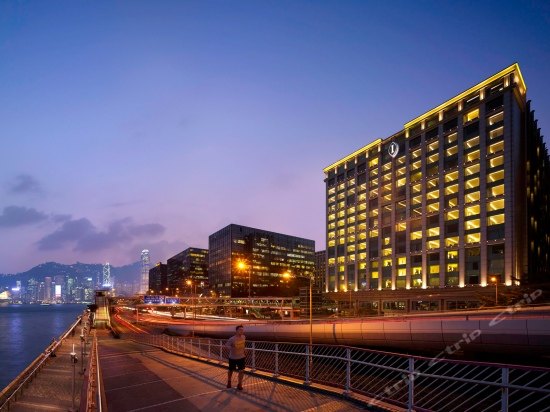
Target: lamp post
<point x="193" y="291"/>
<point x="495" y="281"/>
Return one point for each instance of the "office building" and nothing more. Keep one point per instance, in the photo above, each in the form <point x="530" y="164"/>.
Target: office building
<point x="244" y="262"/>
<point x="188" y="271"/>
<point x="158" y="279"/>
<point x="458" y="198"/>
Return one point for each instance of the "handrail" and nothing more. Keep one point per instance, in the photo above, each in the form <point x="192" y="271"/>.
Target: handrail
<point x="95" y="398"/>
<point x="16" y="386"/>
<point x="413" y="382"/>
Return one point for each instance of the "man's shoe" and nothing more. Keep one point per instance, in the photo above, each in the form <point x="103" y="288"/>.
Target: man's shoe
<point x="228" y="385"/>
<point x="240" y="387"/>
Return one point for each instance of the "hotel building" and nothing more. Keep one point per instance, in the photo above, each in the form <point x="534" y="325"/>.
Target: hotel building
<point x="248" y="262"/>
<point x="457" y="199"/>
<point x="188" y="271"/>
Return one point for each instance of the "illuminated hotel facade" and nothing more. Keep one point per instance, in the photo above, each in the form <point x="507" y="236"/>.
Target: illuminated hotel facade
<point x="457" y="199"/>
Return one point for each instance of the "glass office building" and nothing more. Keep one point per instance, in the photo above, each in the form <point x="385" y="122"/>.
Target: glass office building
<point x="245" y="262"/>
<point x="459" y="197"/>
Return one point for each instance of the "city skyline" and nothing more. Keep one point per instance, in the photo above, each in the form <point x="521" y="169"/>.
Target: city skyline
<point x="132" y="126"/>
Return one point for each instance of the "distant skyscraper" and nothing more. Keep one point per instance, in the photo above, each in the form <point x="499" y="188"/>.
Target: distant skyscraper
<point x="107" y="275"/>
<point x="144" y="271"/>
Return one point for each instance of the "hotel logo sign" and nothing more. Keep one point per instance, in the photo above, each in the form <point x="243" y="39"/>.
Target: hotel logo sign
<point x="393" y="149"/>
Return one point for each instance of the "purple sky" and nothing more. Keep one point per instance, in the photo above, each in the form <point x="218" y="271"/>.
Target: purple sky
<point x="152" y="124"/>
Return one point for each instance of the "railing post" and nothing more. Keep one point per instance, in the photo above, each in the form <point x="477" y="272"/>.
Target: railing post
<point x="411" y="384"/>
<point x="253" y="356"/>
<point x="348" y="372"/>
<point x="276" y="360"/>
<point x="307" y="381"/>
<point x="505" y="389"/>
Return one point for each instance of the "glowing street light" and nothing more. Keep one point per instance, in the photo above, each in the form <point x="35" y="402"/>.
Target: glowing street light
<point x="243" y="265"/>
<point x="495" y="281"/>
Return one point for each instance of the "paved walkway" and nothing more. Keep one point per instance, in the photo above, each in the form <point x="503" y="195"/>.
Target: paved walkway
<point x="51" y="389"/>
<point x="141" y="378"/>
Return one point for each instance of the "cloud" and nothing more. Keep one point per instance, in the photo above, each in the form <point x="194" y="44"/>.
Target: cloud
<point x="24" y="183"/>
<point x="14" y="216"/>
<point x="85" y="237"/>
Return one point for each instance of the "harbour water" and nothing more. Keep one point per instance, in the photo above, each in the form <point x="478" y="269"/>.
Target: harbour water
<point x="26" y="330"/>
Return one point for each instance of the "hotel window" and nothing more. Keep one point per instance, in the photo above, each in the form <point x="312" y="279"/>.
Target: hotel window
<point x="451" y="241"/>
<point x="495" y="205"/>
<point x="499" y="117"/>
<point x="387" y="251"/>
<point x="470" y="157"/>
<point x="402" y="272"/>
<point x="331" y="261"/>
<point x="452" y="255"/>
<point x="433" y="158"/>
<point x="472" y="197"/>
<point x="387" y="263"/>
<point x="373" y="233"/>
<point x="472" y="143"/>
<point x="473" y="238"/>
<point x="341" y="223"/>
<point x="433" y="207"/>
<point x="402" y="261"/>
<point x="471" y="115"/>
<point x="451" y="151"/>
<point x="400" y="227"/>
<point x="416" y="154"/>
<point x="386" y="177"/>
<point x="373" y="183"/>
<point x="449" y="177"/>
<point x="341" y="186"/>
<point x="495" y="220"/>
<point x="434" y="231"/>
<point x="451" y="189"/>
<point x="373" y="163"/>
<point x="496" y="161"/>
<point x="471" y="183"/>
<point x="451" y="215"/>
<point x="471" y="170"/>
<point x="452" y="138"/>
<point x="362" y="256"/>
<point x="493" y="134"/>
<point x="472" y="211"/>
<point x="434" y="269"/>
<point x="495" y="148"/>
<point x="416" y="235"/>
<point x="433" y="244"/>
<point x="495" y="176"/>
<point x="452" y="267"/>
<point x="415" y="165"/>
<point x="331" y="226"/>
<point x="496" y="191"/>
<point x="401" y="171"/>
<point x="341" y="259"/>
<point x="417" y="188"/>
<point x="331" y="243"/>
<point x="471" y="224"/>
<point x="434" y="194"/>
<point x="416" y="176"/>
<point x="433" y="146"/>
<point x="417" y="200"/>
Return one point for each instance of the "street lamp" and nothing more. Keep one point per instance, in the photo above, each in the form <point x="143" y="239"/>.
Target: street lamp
<point x="495" y="281"/>
<point x="191" y="283"/>
<point x="243" y="265"/>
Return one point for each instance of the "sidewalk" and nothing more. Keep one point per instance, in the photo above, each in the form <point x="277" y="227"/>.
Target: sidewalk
<point x="141" y="378"/>
<point x="51" y="389"/>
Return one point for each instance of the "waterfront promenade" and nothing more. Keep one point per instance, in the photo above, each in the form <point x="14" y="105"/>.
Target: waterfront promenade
<point x="138" y="377"/>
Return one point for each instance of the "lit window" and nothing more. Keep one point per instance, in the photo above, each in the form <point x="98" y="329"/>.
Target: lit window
<point x="452" y="254"/>
<point x="433" y="146"/>
<point x="451" y="241"/>
<point x="351" y="248"/>
<point x="496" y="161"/>
<point x="331" y="243"/>
<point x="449" y="177"/>
<point x="472" y="170"/>
<point x="472" y="197"/>
<point x="434" y="231"/>
<point x="497" y="190"/>
<point x="401" y="272"/>
<point x="470" y="157"/>
<point x="453" y="202"/>
<point x="400" y="227"/>
<point x="451" y="189"/>
<point x="433" y="207"/>
<point x="362" y="265"/>
<point x="401" y="182"/>
<point x="451" y="215"/>
<point x="386" y="252"/>
<point x="373" y="233"/>
<point x="495" y="176"/>
<point x="400" y="171"/>
<point x="417" y="200"/>
<point x="496" y="205"/>
<point x="495" y="148"/>
<point x="472" y="115"/>
<point x="387" y="263"/>
<point x="402" y="261"/>
<point x="415" y="165"/>
<point x="473" y="238"/>
<point x="416" y="153"/>
<point x="332" y="190"/>
<point x="499" y="131"/>
<point x="373" y="162"/>
<point x="434" y="269"/>
<point x="451" y="151"/>
<point x="331" y="261"/>
<point x="471" y="224"/>
<point x="417" y="270"/>
<point x="433" y="158"/>
<point x="433" y="195"/>
<point x="416" y="235"/>
<point x="452" y="267"/>
<point x="496" y="118"/>
<point x="472" y="142"/>
<point x="471" y="211"/>
<point x="495" y="220"/>
<point x="362" y="256"/>
<point x="433" y="244"/>
<point x="472" y="183"/>
<point x="452" y="138"/>
<point x="417" y="188"/>
<point x="374" y="275"/>
<point x="416" y="176"/>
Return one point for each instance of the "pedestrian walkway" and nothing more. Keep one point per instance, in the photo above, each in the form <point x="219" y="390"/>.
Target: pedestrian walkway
<point x="138" y="377"/>
<point x="52" y="388"/>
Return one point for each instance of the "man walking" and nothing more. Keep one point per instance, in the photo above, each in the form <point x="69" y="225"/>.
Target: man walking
<point x="236" y="344"/>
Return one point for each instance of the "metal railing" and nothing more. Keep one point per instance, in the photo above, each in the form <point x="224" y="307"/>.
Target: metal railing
<point x="95" y="396"/>
<point x="22" y="381"/>
<point x="412" y="382"/>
